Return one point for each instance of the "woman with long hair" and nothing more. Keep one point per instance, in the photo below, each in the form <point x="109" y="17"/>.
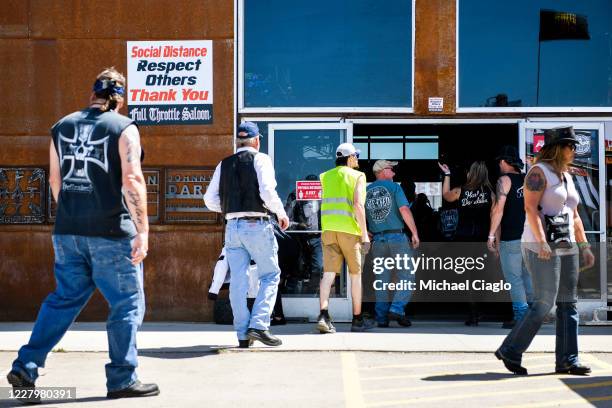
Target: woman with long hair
<point x="553" y="237"/>
<point x="475" y="199"/>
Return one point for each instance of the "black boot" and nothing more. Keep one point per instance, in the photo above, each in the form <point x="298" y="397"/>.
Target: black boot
<point x="137" y="389"/>
<point x="577" y="369"/>
<point x="512" y="367"/>
<point x="264" y="336"/>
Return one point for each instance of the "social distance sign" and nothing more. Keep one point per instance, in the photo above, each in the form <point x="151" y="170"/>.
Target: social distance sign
<point x="170" y="82"/>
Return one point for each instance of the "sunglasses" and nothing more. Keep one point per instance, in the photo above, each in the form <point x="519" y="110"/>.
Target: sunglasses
<point x="572" y="146"/>
<point x="356" y="155"/>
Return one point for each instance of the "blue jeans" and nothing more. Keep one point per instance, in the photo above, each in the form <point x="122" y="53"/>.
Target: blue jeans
<point x="388" y="245"/>
<point x="246" y="240"/>
<point x="516" y="274"/>
<point x="554" y="281"/>
<point x="83" y="264"/>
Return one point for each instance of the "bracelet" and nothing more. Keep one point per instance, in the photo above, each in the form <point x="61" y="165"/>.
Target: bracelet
<point x="491" y="237"/>
<point x="447" y="174"/>
<point x="583" y="245"/>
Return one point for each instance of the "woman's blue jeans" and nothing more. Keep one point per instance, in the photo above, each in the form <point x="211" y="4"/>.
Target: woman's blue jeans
<point x="554" y="281"/>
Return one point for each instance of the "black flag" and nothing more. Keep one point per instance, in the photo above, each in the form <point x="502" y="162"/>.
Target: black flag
<point x="558" y="25"/>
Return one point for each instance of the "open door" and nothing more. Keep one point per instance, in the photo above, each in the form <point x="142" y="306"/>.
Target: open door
<point x="300" y="152"/>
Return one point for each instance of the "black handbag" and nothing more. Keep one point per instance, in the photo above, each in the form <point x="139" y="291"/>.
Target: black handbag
<point x="557" y="227"/>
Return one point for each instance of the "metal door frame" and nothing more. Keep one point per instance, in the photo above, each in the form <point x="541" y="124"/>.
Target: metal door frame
<point x="340" y="308"/>
<point x="544" y="123"/>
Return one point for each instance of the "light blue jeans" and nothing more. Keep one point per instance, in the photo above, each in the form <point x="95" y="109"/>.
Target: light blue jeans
<point x="388" y="245"/>
<point x="246" y="240"/>
<point x="83" y="264"/>
<point x="554" y="281"/>
<point x="517" y="275"/>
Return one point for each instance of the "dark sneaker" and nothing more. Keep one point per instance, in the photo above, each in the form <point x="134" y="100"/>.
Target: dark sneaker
<point x="135" y="390"/>
<point x="20" y="383"/>
<point x="577" y="369"/>
<point x="361" y="325"/>
<point x="324" y="325"/>
<point x="509" y="324"/>
<point x="264" y="336"/>
<point x="512" y="367"/>
<point x="402" y="320"/>
<point x="245" y="343"/>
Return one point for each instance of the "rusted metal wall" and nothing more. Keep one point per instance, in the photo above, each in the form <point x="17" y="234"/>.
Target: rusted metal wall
<point x="434" y="59"/>
<point x="50" y="52"/>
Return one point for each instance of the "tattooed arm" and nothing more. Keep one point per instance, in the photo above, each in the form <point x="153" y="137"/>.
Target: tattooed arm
<point x="535" y="184"/>
<point x="134" y="190"/>
<point x="497" y="210"/>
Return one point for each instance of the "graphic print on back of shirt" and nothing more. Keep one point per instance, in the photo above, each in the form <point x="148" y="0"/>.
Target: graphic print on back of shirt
<point x="80" y="151"/>
<point x="378" y="203"/>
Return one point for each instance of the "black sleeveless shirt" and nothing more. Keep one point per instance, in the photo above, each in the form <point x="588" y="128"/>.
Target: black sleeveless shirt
<point x="513" y="220"/>
<point x="90" y="200"/>
<point x="474" y="215"/>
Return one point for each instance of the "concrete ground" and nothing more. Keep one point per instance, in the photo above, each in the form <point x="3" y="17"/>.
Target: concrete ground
<point x="432" y="364"/>
<point x="331" y="379"/>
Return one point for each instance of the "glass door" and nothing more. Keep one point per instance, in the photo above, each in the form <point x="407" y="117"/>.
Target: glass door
<point x="300" y="152"/>
<point x="588" y="173"/>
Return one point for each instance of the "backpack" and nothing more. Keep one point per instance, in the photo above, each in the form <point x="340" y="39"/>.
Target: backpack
<point x="449" y="219"/>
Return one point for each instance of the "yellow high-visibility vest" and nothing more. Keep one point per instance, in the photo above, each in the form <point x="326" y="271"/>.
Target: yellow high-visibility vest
<point x="337" y="212"/>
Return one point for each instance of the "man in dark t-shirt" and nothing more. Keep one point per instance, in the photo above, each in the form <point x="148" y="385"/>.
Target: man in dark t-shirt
<point x="100" y="237"/>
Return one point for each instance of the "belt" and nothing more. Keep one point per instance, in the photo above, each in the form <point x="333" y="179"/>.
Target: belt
<point x="254" y="218"/>
<point x="394" y="231"/>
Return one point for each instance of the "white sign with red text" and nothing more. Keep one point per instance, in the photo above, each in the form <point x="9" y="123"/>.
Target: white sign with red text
<point x="170" y="82"/>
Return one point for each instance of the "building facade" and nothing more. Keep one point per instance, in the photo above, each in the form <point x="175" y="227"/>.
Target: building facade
<point x="412" y="80"/>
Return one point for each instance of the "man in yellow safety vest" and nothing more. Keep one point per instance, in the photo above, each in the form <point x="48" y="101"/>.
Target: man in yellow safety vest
<point x="345" y="235"/>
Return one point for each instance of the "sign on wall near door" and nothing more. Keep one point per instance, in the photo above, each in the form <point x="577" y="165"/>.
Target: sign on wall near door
<point x="170" y="82"/>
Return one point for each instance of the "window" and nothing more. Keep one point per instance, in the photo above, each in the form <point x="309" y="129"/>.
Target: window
<point x="344" y="55"/>
<point x="535" y="53"/>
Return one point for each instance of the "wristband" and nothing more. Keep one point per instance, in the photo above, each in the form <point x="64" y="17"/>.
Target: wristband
<point x="583" y="245"/>
<point x="447" y="174"/>
<point x="491" y="237"/>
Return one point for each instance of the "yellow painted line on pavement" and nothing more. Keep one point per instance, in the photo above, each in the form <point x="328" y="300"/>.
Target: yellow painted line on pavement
<point x="474" y="383"/>
<point x="558" y="403"/>
<point x="446" y="363"/>
<point x="353" y="395"/>
<point x="489" y="394"/>
<point x="457" y="372"/>
<point x="591" y="359"/>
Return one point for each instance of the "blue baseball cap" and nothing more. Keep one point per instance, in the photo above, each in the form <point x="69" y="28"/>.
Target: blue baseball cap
<point x="247" y="130"/>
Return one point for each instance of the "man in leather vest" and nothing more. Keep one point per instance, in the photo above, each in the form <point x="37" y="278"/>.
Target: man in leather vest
<point x="243" y="188"/>
<point x="100" y="237"/>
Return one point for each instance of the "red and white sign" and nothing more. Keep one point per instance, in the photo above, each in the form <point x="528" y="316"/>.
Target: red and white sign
<point x="538" y="142"/>
<point x="308" y="190"/>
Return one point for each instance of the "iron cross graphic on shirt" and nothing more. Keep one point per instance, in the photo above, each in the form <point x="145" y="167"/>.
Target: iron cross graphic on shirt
<point x="80" y="151"/>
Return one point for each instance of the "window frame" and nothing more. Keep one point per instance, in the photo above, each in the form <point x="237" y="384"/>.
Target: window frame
<point x="239" y="4"/>
<point x="518" y="109"/>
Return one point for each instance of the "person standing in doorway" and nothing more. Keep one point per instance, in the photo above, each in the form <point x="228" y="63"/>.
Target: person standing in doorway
<point x="345" y="236"/>
<point x="100" y="237"/>
<point x="507" y="221"/>
<point x="243" y="188"/>
<point x="386" y="213"/>
<point x="475" y="199"/>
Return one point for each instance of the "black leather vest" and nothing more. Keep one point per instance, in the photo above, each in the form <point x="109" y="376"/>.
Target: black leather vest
<point x="238" y="186"/>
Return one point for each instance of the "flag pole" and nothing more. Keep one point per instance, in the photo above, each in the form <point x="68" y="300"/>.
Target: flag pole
<point x="538" y="80"/>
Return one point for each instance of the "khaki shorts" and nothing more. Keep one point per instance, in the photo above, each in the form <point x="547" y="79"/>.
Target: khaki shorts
<point x="339" y="247"/>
